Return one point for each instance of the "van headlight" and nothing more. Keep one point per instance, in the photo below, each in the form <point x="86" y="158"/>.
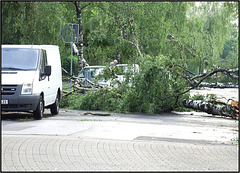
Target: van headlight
<point x="26" y="88"/>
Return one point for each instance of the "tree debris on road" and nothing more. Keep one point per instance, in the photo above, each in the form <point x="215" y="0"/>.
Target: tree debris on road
<point x="99" y="114"/>
<point x="218" y="108"/>
<point x="218" y="85"/>
<point x="78" y="84"/>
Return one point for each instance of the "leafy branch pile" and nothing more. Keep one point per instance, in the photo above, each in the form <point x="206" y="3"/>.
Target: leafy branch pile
<point x="152" y="90"/>
<point x="160" y="86"/>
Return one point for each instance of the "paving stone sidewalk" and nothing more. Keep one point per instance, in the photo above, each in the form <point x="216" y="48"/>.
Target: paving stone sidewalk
<point x="65" y="153"/>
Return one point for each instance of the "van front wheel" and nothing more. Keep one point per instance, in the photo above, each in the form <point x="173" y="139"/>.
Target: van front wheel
<point x="38" y="113"/>
<point x="54" y="108"/>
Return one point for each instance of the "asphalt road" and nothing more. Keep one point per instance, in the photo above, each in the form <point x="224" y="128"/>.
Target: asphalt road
<point x="73" y="141"/>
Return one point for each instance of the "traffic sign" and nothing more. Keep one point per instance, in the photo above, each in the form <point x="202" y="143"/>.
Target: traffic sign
<point x="70" y="33"/>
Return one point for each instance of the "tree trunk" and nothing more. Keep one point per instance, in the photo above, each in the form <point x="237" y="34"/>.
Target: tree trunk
<point x="212" y="108"/>
<point x="218" y="85"/>
<point x="134" y="38"/>
<point x="118" y="55"/>
<point x="80" y="38"/>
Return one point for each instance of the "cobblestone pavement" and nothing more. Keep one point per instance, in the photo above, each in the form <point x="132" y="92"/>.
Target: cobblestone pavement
<point x="67" y="153"/>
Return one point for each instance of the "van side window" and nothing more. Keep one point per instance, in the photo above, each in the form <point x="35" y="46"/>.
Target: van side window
<point x="43" y="64"/>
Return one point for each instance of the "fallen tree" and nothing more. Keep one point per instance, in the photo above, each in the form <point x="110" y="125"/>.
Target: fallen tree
<point x="215" y="108"/>
<point x="158" y="88"/>
<point x="222" y="109"/>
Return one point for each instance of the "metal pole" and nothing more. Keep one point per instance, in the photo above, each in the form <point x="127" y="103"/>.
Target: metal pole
<point x="71" y="61"/>
<point x="71" y="69"/>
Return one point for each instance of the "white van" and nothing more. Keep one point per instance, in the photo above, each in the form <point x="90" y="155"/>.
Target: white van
<point x="31" y="78"/>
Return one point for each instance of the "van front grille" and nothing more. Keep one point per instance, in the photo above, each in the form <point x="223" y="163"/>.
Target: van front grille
<point x="8" y="89"/>
<point x="16" y="106"/>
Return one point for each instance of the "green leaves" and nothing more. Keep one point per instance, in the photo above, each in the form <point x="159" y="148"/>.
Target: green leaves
<point x="208" y="26"/>
<point x="153" y="90"/>
<point x="200" y="31"/>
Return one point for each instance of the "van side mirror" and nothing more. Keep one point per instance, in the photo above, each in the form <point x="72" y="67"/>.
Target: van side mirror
<point x="48" y="70"/>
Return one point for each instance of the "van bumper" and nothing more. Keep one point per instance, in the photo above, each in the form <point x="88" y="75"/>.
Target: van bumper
<point x="20" y="102"/>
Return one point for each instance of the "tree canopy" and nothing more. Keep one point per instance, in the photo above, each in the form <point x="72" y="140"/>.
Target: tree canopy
<point x="123" y="30"/>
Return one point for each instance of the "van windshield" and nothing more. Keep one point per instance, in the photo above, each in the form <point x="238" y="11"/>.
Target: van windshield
<point x="19" y="58"/>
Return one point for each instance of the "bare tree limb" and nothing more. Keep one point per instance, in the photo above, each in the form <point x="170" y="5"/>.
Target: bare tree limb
<point x="194" y="83"/>
<point x="130" y="42"/>
<point x="205" y="75"/>
<point x="83" y="88"/>
<point x="86" y="5"/>
<point x="78" y="84"/>
<point x="134" y="38"/>
<point x="72" y="77"/>
<point x="69" y="93"/>
<point x="228" y="73"/>
<point x="177" y="65"/>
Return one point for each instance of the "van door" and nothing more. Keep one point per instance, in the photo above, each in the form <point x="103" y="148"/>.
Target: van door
<point x="44" y="80"/>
